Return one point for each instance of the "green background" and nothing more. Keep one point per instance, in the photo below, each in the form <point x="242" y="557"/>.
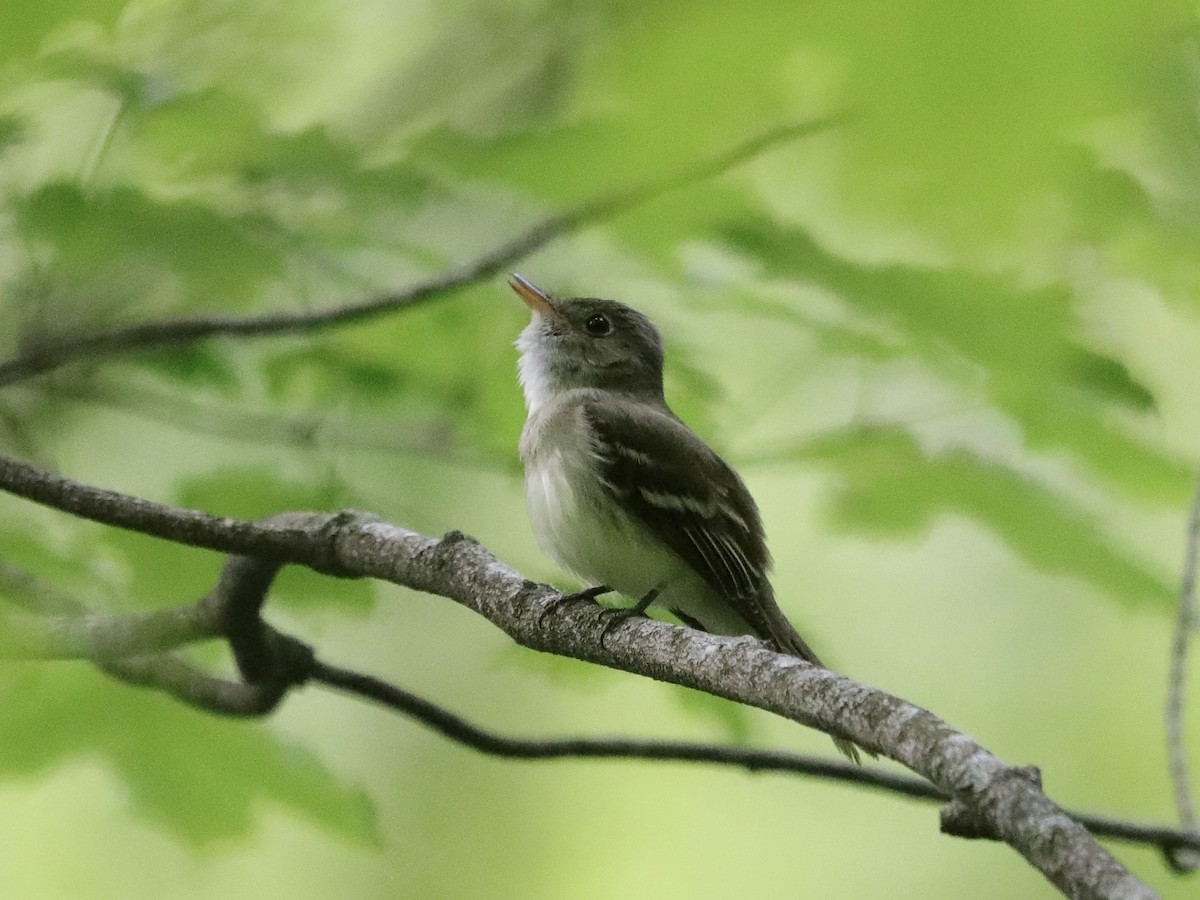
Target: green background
<point x="950" y="340"/>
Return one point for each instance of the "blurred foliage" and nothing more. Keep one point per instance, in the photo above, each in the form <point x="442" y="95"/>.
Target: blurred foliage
<point x="1009" y="188"/>
<point x="169" y="767"/>
<point x="895" y="487"/>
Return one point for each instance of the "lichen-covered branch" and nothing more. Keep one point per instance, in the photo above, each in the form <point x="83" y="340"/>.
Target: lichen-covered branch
<point x="1002" y="801"/>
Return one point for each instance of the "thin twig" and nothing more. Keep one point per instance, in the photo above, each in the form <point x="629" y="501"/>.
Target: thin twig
<point x="1185" y="621"/>
<point x="53" y="354"/>
<point x="457" y="729"/>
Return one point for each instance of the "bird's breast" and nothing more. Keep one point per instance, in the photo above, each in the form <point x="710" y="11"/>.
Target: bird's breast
<point x="576" y="519"/>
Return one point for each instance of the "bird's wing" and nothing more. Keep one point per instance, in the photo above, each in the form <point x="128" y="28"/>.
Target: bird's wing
<point x="684" y="493"/>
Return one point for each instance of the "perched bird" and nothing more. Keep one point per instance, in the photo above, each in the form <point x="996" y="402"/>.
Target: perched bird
<point x="621" y="492"/>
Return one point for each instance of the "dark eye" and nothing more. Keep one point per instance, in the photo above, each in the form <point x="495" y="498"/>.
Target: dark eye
<point x="597" y="324"/>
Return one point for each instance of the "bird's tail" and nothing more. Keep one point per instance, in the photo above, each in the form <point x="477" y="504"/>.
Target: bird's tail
<point x="785" y="639"/>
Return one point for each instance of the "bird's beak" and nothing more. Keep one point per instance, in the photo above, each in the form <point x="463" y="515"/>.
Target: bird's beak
<point x="535" y="298"/>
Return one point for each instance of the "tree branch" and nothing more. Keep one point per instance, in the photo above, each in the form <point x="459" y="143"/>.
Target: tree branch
<point x="1002" y="801"/>
<point x="48" y="355"/>
<point x="170" y="674"/>
<point x="1185" y="622"/>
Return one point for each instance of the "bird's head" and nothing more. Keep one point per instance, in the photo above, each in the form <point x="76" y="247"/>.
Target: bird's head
<point x="586" y="342"/>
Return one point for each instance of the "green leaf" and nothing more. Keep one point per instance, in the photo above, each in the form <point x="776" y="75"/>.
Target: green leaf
<point x="203" y="365"/>
<point x="221" y="260"/>
<point x="329" y="372"/>
<point x="960" y="323"/>
<point x="964" y="115"/>
<point x="1110" y="378"/>
<point x="68" y="554"/>
<point x="13" y="130"/>
<point x="201" y="776"/>
<point x="891" y="486"/>
<point x="24" y="24"/>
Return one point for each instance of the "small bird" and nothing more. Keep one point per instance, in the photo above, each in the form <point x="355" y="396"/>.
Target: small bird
<point x="621" y="492"/>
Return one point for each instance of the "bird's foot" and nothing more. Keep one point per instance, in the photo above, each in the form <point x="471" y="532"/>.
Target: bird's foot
<point x="588" y="594"/>
<point x="617" y="616"/>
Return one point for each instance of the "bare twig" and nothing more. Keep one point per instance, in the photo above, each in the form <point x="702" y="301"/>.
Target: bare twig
<point x="53" y="354"/>
<point x="1003" y="802"/>
<point x="1185" y="622"/>
<point x="457" y="729"/>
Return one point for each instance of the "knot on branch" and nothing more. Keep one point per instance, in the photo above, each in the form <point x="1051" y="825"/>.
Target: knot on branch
<point x="446" y="555"/>
<point x="280" y="659"/>
<point x="959" y="818"/>
<point x="316" y="536"/>
<point x="328" y="560"/>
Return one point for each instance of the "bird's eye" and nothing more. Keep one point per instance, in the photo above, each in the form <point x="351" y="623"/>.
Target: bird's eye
<point x="597" y="324"/>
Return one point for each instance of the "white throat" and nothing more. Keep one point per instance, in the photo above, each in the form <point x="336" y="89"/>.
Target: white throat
<point x="532" y="369"/>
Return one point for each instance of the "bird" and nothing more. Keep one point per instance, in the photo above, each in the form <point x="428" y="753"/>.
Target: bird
<point x="622" y="493"/>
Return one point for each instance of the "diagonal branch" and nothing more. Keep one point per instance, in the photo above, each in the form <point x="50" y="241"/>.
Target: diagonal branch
<point x="113" y="650"/>
<point x="54" y="354"/>
<point x="1002" y="801"/>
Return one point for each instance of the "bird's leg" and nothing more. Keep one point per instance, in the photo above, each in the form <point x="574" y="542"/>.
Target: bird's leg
<point x="689" y="621"/>
<point x="617" y="616"/>
<point x="587" y="594"/>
